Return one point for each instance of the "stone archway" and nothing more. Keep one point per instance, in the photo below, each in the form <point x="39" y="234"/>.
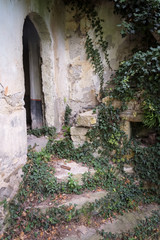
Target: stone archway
<point x="46" y="67"/>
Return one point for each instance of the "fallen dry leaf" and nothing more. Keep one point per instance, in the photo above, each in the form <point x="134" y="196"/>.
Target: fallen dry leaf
<point x="54" y="232"/>
<point x="65" y="167"/>
<point x="69" y="208"/>
<point x="99" y="190"/>
<point x="24" y="214"/>
<point x="22" y="236"/>
<point x="103" y="220"/>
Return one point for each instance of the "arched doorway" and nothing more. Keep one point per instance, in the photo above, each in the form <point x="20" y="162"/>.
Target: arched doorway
<point x="47" y="65"/>
<point x="32" y="73"/>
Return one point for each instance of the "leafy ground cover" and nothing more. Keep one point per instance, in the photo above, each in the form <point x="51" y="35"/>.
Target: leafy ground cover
<point x="124" y="193"/>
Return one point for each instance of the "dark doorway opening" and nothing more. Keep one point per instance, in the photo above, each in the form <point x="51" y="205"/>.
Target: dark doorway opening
<point x="32" y="73"/>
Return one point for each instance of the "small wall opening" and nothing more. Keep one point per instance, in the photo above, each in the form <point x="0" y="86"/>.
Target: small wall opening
<point x="146" y="136"/>
<point x="33" y="78"/>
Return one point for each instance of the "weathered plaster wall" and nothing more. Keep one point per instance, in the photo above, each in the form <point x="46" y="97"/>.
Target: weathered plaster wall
<point x="57" y="22"/>
<point x="83" y="84"/>
<point x="13" y="136"/>
<point x="12" y="114"/>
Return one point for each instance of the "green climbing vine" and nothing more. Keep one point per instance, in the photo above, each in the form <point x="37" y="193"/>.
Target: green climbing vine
<point x="139" y="17"/>
<point x="139" y="78"/>
<point x="67" y="115"/>
<point x="94" y="56"/>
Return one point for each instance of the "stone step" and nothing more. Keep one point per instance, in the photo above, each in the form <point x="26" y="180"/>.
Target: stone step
<point x="64" y="168"/>
<point x="118" y="225"/>
<point x="72" y="200"/>
<point x="81" y="200"/>
<point x="37" y="143"/>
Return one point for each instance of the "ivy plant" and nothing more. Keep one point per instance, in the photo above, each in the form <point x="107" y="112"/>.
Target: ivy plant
<point x="139" y="17"/>
<point x="140" y="77"/>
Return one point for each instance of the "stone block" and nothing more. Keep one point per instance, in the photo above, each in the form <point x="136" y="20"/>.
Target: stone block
<point x="78" y="135"/>
<point x="86" y="119"/>
<point x="63" y="169"/>
<point x="131" y="105"/>
<point x="132" y="116"/>
<point x="128" y="169"/>
<point x="129" y="155"/>
<point x="126" y="127"/>
<point x="115" y="103"/>
<point x="134" y="105"/>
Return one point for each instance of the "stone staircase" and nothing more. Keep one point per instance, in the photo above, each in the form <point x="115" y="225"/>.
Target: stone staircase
<point x="65" y="168"/>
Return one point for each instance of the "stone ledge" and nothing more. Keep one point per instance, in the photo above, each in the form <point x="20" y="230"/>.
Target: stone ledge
<point x="74" y="200"/>
<point x="132" y="116"/>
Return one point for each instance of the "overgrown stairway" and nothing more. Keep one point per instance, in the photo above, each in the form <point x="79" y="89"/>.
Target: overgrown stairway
<point x="90" y="224"/>
<point x="63" y="198"/>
